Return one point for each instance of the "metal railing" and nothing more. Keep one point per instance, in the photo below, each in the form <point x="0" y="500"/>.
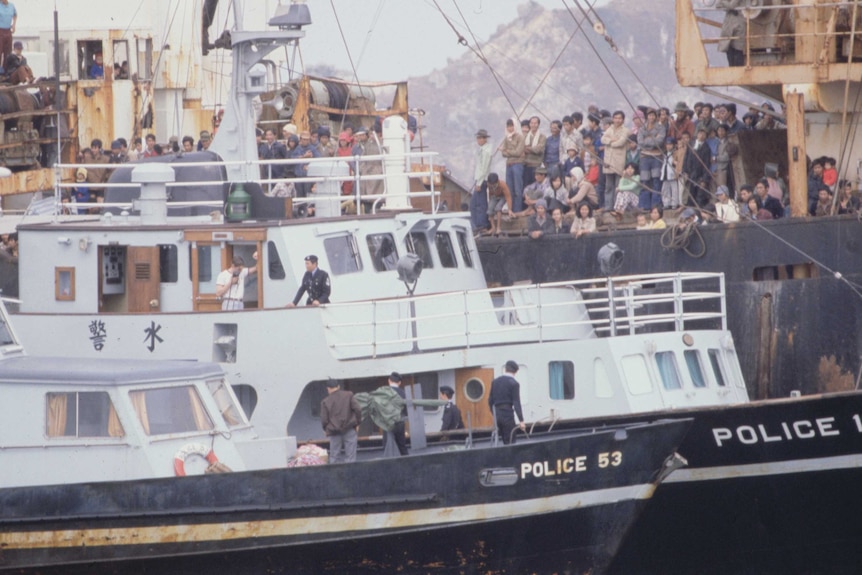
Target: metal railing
<point x="355" y="163"/>
<point x="578" y="309"/>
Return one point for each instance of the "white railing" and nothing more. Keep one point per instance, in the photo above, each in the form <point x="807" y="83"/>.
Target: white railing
<point x="545" y="312"/>
<point x="425" y="159"/>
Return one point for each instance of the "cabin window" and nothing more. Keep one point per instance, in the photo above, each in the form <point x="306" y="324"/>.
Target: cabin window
<point x="168" y="266"/>
<point x="64" y="58"/>
<point x="91" y="65"/>
<point x="464" y="244"/>
<point x="561" y="377"/>
<point x="417" y="243"/>
<point x="667" y="370"/>
<point x="209" y="258"/>
<point x="145" y="58"/>
<point x="342" y="255"/>
<point x="5" y="333"/>
<point x="636" y="374"/>
<point x="717" y="367"/>
<point x="474" y="389"/>
<point x="247" y="397"/>
<point x="445" y="250"/>
<point x="225" y="401"/>
<point x="602" y="381"/>
<point x="695" y="369"/>
<point x="120" y="53"/>
<point x="274" y="267"/>
<point x="384" y="255"/>
<point x="82" y="414"/>
<point x="64" y="284"/>
<point x="170" y="410"/>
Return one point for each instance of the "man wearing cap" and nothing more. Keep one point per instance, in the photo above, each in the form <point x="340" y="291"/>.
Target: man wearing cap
<point x="117" y="156"/>
<point x="8" y="20"/>
<point x="17" y="70"/>
<point x="451" y="414"/>
<point x="505" y="401"/>
<point x="340" y="416"/>
<point x="315" y="282"/>
<point x="230" y="284"/>
<point x="682" y="123"/>
<point x="204" y="141"/>
<point x="305" y="150"/>
<point x="325" y="145"/>
<point x="540" y="224"/>
<point x="539" y="189"/>
<point x="398" y="431"/>
<point x="726" y="210"/>
<point x="479" y="193"/>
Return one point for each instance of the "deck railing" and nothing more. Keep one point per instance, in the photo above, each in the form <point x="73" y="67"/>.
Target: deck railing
<point x="578" y="309"/>
<point x="357" y="165"/>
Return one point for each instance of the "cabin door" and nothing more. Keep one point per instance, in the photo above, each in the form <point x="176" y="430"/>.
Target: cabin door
<point x="144" y="279"/>
<point x="472" y="387"/>
<point x="208" y="261"/>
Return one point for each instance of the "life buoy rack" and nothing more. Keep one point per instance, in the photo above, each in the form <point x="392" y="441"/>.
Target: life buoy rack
<point x="192" y="449"/>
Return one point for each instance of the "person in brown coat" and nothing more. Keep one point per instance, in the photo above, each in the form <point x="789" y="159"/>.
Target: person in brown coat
<point x="340" y="415"/>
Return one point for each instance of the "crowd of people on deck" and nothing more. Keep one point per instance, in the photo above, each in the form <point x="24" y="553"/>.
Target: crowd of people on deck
<point x="657" y="160"/>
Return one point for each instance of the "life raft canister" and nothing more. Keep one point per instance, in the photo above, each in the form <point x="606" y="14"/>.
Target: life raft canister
<point x="192" y="449"/>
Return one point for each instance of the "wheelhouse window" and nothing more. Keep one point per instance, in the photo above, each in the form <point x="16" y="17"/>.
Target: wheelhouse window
<point x="170" y="410"/>
<point x="168" y="265"/>
<point x="695" y="369"/>
<point x="342" y="255"/>
<point x="636" y="374"/>
<point x="561" y="378"/>
<point x="717" y="367"/>
<point x="275" y="267"/>
<point x="445" y="250"/>
<point x="417" y="243"/>
<point x="464" y="244"/>
<point x="384" y="254"/>
<point x="226" y="404"/>
<point x="667" y="369"/>
<point x="82" y="414"/>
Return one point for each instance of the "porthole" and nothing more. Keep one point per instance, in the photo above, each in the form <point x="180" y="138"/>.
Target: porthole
<point x="474" y="389"/>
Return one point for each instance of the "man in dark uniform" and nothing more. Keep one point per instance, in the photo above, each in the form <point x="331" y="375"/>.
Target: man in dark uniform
<point x="399" y="432"/>
<point x="505" y="397"/>
<point x="451" y="414"/>
<point x="315" y="282"/>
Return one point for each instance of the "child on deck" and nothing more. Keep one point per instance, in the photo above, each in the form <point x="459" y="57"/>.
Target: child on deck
<point x="627" y="191"/>
<point x="669" y="176"/>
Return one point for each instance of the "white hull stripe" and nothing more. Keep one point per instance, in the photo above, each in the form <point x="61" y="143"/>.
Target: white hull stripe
<point x="765" y="469"/>
<point x="355" y="524"/>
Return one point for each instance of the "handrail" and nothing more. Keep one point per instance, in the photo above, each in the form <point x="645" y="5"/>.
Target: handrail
<point x="578" y="308"/>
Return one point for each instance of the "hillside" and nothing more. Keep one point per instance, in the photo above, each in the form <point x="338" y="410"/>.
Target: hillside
<point x="464" y="96"/>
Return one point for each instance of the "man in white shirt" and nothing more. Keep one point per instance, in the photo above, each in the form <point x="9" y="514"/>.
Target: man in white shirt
<point x="230" y="284"/>
<point x="725" y="209"/>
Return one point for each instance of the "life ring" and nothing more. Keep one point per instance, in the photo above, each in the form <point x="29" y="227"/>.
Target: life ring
<point x="192" y="449"/>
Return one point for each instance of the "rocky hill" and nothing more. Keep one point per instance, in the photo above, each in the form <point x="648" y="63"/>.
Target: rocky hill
<point x="464" y="96"/>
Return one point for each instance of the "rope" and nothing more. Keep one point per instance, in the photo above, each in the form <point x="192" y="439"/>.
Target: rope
<point x="349" y="57"/>
<point x="679" y="236"/>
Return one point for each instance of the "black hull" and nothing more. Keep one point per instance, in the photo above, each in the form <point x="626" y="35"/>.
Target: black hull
<point x="783" y="328"/>
<point x="419" y="514"/>
<point x="780" y="495"/>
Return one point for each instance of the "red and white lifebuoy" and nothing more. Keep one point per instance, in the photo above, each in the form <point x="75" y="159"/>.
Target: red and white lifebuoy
<point x="192" y="449"/>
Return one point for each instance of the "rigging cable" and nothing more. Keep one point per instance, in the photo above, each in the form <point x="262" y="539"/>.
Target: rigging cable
<point x="553" y="65"/>
<point x="602" y="30"/>
<point x="349" y="57"/>
<point x="477" y="50"/>
<point x="601" y="60"/>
